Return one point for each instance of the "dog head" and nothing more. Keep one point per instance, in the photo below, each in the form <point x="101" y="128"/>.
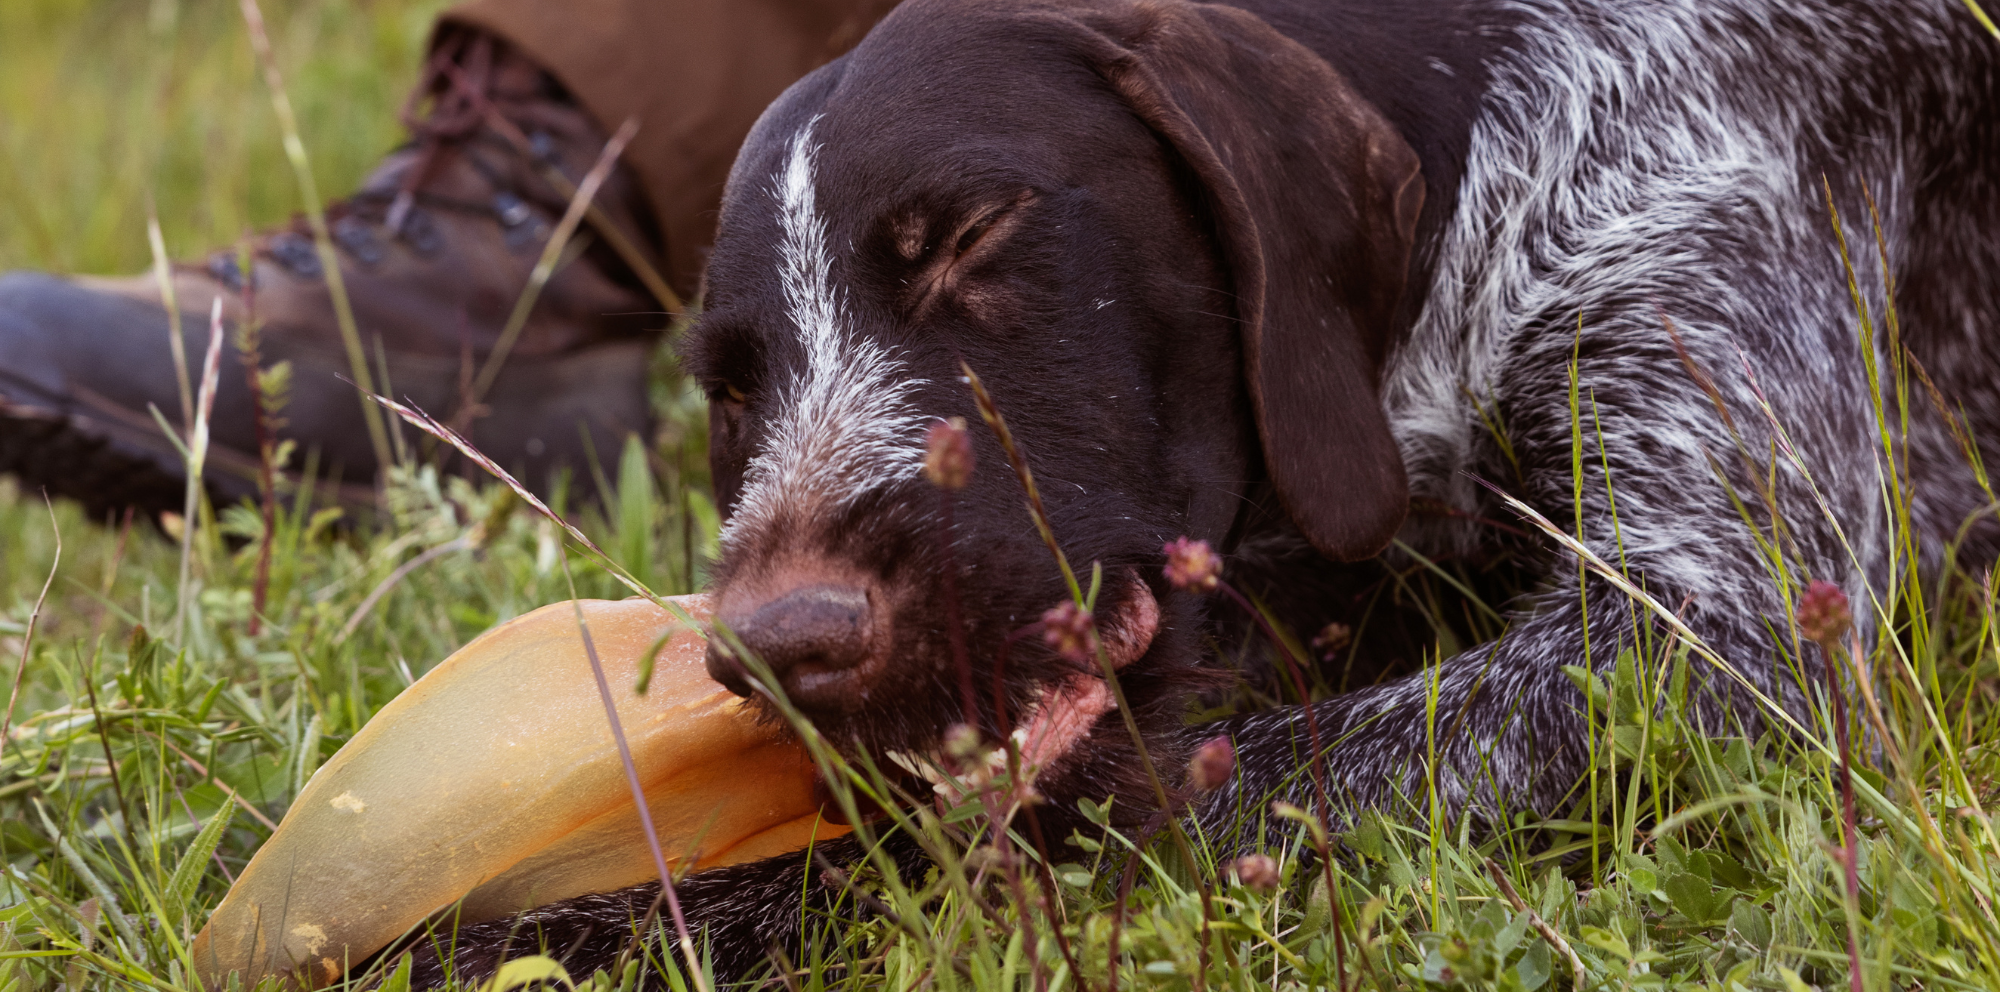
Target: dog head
<point x="1169" y="240"/>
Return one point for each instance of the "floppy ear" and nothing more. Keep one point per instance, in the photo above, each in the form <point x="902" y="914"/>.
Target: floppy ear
<point x="1315" y="198"/>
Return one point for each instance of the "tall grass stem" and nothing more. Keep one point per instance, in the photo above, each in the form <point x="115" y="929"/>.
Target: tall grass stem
<point x="197" y="458"/>
<point x="552" y="253"/>
<point x="638" y="790"/>
<point x="28" y="634"/>
<point x="315" y="210"/>
<point x="163" y="273"/>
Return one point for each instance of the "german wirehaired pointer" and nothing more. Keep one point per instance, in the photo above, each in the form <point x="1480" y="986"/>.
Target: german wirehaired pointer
<point x="1269" y="273"/>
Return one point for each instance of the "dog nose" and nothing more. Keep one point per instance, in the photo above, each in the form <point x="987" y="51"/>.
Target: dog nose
<point x="814" y="630"/>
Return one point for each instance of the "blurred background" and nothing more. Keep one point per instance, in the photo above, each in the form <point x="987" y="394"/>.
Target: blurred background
<point x="113" y="109"/>
<point x="105" y="102"/>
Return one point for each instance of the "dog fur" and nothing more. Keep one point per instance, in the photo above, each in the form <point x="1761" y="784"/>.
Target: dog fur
<point x="1588" y="175"/>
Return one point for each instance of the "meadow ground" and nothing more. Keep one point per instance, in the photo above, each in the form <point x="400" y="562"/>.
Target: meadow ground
<point x="169" y="709"/>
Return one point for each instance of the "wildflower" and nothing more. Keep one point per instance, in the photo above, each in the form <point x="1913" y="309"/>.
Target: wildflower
<point x="1192" y="565"/>
<point x="1823" y="613"/>
<point x="973" y="765"/>
<point x="1332" y="638"/>
<point x="962" y="741"/>
<point x="1257" y="872"/>
<point x="1212" y="765"/>
<point x="948" y="454"/>
<point x="1071" y="632"/>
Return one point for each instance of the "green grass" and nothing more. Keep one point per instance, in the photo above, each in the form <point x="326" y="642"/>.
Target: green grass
<point x="1695" y="861"/>
<point x="104" y="102"/>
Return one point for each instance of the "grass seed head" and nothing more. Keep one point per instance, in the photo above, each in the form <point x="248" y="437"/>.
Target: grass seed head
<point x="948" y="454"/>
<point x="1332" y="639"/>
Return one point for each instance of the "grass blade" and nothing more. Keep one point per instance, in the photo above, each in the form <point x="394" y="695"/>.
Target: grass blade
<point x="188" y="872"/>
<point x="336" y="284"/>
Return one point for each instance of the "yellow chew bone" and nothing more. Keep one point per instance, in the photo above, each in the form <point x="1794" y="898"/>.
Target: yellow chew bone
<point x="493" y="783"/>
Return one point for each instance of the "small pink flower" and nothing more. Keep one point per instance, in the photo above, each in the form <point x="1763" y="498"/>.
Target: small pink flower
<point x="961" y="741"/>
<point x="948" y="454"/>
<point x="1071" y="632"/>
<point x="1332" y="638"/>
<point x="1257" y="872"/>
<point x="1823" y="613"/>
<point x="1192" y="565"/>
<point x="1212" y="765"/>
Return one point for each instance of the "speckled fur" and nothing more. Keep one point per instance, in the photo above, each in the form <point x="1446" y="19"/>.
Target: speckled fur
<point x="1645" y="162"/>
<point x="1631" y="163"/>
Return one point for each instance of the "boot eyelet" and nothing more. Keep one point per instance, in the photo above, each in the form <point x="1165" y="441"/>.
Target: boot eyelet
<point x="543" y="146"/>
<point x="525" y="236"/>
<point x="295" y="252"/>
<point x="421" y="233"/>
<point x="353" y="234"/>
<point x="511" y="210"/>
<point x="222" y="268"/>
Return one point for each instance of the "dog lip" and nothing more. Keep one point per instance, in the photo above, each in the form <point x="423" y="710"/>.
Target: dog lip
<point x="815" y="688"/>
<point x="1129" y="630"/>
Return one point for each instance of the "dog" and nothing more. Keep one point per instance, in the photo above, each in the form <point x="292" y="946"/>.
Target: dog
<point x="1269" y="273"/>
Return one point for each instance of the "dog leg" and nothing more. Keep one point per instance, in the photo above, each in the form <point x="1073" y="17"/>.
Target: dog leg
<point x="1507" y="726"/>
<point x="1659" y="483"/>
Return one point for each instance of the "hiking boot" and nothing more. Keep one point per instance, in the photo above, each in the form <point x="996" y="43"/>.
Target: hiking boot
<point x="435" y="250"/>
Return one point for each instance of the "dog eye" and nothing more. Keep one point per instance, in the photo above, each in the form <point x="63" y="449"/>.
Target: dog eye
<point x="725" y="392"/>
<point x="974" y="233"/>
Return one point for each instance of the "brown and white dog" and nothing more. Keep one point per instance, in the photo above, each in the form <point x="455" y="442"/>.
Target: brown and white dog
<point x="1262" y="273"/>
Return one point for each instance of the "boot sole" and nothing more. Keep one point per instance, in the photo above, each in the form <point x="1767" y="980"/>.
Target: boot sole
<point x="66" y="456"/>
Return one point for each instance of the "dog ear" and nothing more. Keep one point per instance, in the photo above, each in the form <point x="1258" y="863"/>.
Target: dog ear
<point x="1315" y="199"/>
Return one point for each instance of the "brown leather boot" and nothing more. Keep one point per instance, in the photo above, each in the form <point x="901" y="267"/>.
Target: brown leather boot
<point x="435" y="250"/>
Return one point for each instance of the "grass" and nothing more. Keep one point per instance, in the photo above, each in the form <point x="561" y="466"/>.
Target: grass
<point x="1694" y="861"/>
